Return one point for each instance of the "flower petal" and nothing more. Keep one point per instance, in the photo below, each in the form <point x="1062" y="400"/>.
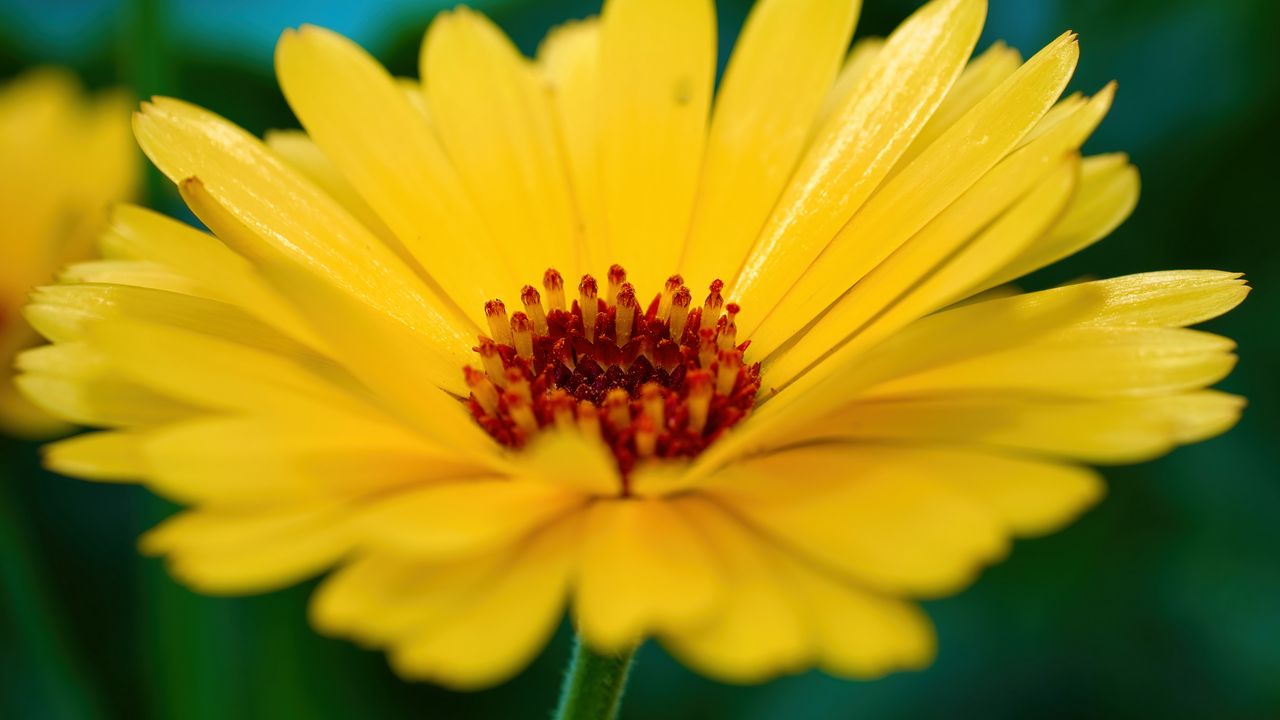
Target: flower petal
<point x="1101" y="432"/>
<point x="289" y="217"/>
<point x="913" y="197"/>
<point x="858" y="634"/>
<point x="864" y="512"/>
<point x="504" y="623"/>
<point x="779" y="73"/>
<point x="101" y="456"/>
<point x="479" y="515"/>
<point x="235" y="461"/>
<point x="1082" y="362"/>
<point x="1108" y="193"/>
<point x="569" y="59"/>
<point x="758" y="631"/>
<point x="858" y="146"/>
<point x="234" y="553"/>
<point x="77" y="382"/>
<point x="350" y="106"/>
<point x="644" y="569"/>
<point x="495" y="123"/>
<point x="141" y="234"/>
<point x="653" y="104"/>
<point x="297" y="149"/>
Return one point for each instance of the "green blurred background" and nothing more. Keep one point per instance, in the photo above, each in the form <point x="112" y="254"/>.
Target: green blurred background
<point x="1163" y="602"/>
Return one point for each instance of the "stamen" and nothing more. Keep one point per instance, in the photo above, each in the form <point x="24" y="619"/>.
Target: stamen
<point x="496" y="313"/>
<point x="482" y="390"/>
<point x="492" y="360"/>
<point x="588" y="419"/>
<point x="729" y="333"/>
<point x="517" y="385"/>
<point x="646" y="437"/>
<point x="521" y="412"/>
<point x="728" y="363"/>
<point x="617" y="408"/>
<point x="679" y="313"/>
<point x="652" y="402"/>
<point x="625" y="317"/>
<point x="533" y="306"/>
<point x="713" y="304"/>
<point x="522" y="328"/>
<point x="652" y="380"/>
<point x="699" y="399"/>
<point x="553" y="283"/>
<point x="617" y="276"/>
<point x="562" y="409"/>
<point x="589" y="306"/>
<point x="706" y="347"/>
<point x="673" y="284"/>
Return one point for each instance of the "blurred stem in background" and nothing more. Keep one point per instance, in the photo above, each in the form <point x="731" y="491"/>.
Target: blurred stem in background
<point x="593" y="684"/>
<point x="49" y="679"/>
<point x="145" y="62"/>
<point x="186" y="653"/>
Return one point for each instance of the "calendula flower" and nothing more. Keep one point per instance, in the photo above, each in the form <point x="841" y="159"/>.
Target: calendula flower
<point x="64" y="158"/>
<point x="744" y="377"/>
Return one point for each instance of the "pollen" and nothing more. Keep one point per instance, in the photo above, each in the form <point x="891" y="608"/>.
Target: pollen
<point x="652" y="382"/>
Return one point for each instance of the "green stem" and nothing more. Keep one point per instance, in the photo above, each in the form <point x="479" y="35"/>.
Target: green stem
<point x="57" y="686"/>
<point x="593" y="684"/>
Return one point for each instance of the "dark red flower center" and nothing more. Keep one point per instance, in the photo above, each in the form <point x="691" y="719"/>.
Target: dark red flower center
<point x="658" y="382"/>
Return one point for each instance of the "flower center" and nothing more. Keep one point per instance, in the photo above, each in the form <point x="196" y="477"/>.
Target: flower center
<point x="658" y="382"/>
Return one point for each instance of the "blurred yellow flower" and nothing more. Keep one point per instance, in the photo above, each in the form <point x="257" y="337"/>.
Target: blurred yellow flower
<point x="65" y="158"/>
<point x="765" y="485"/>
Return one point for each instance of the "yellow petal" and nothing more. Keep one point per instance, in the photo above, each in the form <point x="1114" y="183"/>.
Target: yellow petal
<point x="379" y="597"/>
<point x="864" y="512"/>
<point x="653" y="104"/>
<point x="301" y="152"/>
<point x="21" y="418"/>
<point x="77" y="383"/>
<point x="1082" y="362"/>
<point x="1169" y="298"/>
<point x="1031" y="497"/>
<point x="102" y="456"/>
<point x="914" y="197"/>
<point x="495" y="122"/>
<point x="781" y="70"/>
<point x="411" y="374"/>
<point x="1102" y="432"/>
<point x="139" y="273"/>
<point x="233" y="553"/>
<point x="856" y="64"/>
<point x="504" y="623"/>
<point x="758" y="632"/>
<point x="918" y="277"/>
<point x="140" y="234"/>
<point x="66" y="312"/>
<point x="935" y="340"/>
<point x="1108" y="193"/>
<point x="205" y="371"/>
<point x="463" y="518"/>
<point x="350" y="105"/>
<point x="234" y="461"/>
<point x="290" y="217"/>
<point x="571" y="459"/>
<point x="857" y="633"/>
<point x="980" y="78"/>
<point x="644" y="569"/>
<point x="859" y="144"/>
<point x="569" y="61"/>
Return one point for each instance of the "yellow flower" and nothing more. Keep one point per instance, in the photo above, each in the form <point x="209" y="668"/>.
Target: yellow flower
<point x="765" y="485"/>
<point x="64" y="159"/>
